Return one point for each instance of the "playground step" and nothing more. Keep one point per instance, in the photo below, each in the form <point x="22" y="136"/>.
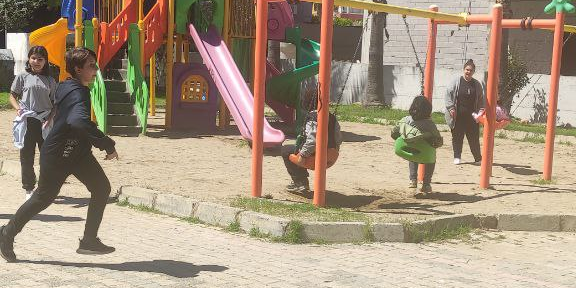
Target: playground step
<point x="120" y="108"/>
<point x="115" y="85"/>
<point x="130" y="131"/>
<point x="118" y="97"/>
<point x="117" y="74"/>
<point x="118" y="63"/>
<point x="122" y="120"/>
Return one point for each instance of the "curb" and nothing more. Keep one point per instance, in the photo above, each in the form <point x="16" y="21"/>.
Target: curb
<point x="341" y="232"/>
<point x="327" y="232"/>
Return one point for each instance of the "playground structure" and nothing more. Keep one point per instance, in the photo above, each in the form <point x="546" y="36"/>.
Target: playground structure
<point x="233" y="25"/>
<point x="495" y="20"/>
<point x="223" y="39"/>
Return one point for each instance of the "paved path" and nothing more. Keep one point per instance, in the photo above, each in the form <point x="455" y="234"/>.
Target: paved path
<point x="159" y="251"/>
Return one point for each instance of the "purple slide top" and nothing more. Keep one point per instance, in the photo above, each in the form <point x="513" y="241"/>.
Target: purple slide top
<point x="279" y="18"/>
<point x="231" y="85"/>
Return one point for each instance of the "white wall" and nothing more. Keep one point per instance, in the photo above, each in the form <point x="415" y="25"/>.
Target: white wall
<point x="18" y="43"/>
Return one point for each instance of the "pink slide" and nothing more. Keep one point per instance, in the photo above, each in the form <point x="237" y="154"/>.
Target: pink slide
<point x="231" y="85"/>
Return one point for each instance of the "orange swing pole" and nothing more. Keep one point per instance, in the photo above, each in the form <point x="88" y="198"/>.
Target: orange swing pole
<point x="259" y="95"/>
<point x="553" y="100"/>
<point x="492" y="96"/>
<point x="324" y="79"/>
<point x="429" y="71"/>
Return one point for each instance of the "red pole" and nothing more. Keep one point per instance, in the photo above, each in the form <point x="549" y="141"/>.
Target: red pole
<point x="429" y="72"/>
<point x="259" y="90"/>
<point x="553" y="100"/>
<point x="491" y="97"/>
<point x="323" y="102"/>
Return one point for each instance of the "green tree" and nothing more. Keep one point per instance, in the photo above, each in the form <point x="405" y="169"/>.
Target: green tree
<point x="16" y="14"/>
<point x="513" y="79"/>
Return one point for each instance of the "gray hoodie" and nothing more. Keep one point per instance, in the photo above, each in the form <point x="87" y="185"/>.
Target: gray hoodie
<point x="450" y="99"/>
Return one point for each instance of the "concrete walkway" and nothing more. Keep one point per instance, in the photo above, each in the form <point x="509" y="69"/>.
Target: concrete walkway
<point x="159" y="251"/>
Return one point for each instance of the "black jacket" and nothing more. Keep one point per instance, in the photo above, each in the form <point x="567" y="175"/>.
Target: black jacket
<point x="73" y="133"/>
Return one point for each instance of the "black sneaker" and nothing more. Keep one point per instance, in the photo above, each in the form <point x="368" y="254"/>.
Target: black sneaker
<point x="426" y="188"/>
<point x="94" y="247"/>
<point x="292" y="187"/>
<point x="7" y="246"/>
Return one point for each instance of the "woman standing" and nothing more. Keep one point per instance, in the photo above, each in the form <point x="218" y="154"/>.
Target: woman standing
<point x="32" y="95"/>
<point x="464" y="96"/>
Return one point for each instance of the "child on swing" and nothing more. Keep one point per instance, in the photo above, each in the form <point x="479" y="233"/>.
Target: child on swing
<point x="307" y="147"/>
<point x="418" y="126"/>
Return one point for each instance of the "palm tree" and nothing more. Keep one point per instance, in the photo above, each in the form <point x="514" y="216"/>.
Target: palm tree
<point x="375" y="85"/>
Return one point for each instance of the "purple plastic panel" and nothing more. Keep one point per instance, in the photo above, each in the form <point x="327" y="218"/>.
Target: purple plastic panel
<point x="279" y="18"/>
<point x="190" y="115"/>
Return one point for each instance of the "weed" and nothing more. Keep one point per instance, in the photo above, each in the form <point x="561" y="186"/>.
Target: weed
<point x="533" y="138"/>
<point x="256" y="233"/>
<point x="233" y="227"/>
<point x="429" y="233"/>
<point x="541" y="181"/>
<point x="502" y="135"/>
<point x="293" y="235"/>
<point x="192" y="220"/>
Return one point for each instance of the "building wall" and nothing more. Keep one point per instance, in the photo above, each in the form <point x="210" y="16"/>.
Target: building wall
<point x="403" y="76"/>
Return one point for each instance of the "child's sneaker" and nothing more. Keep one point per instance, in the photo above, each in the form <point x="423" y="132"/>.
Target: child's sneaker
<point x="94" y="247"/>
<point x="298" y="187"/>
<point x="426" y="188"/>
<point x="29" y="194"/>
<point x="413" y="184"/>
<point x="457" y="161"/>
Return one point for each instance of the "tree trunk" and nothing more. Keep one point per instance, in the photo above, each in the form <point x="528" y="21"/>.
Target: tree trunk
<point x="375" y="87"/>
<point x="274" y="54"/>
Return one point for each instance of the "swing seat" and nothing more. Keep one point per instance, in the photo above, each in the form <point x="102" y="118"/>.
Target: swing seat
<point x="309" y="162"/>
<point x="419" y="151"/>
<point x="481" y="118"/>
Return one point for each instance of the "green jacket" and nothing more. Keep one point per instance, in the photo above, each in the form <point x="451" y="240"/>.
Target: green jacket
<point x="413" y="131"/>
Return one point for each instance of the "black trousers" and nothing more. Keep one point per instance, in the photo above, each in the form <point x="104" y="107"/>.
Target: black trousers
<point x="298" y="174"/>
<point x="32" y="138"/>
<point x="465" y="125"/>
<point x="52" y="177"/>
<point x="413" y="167"/>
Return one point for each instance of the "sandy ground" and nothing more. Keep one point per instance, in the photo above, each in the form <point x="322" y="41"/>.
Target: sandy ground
<point x="368" y="176"/>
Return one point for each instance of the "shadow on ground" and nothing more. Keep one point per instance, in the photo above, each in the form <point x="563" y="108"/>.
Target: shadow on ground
<point x="48" y="218"/>
<point x="519" y="169"/>
<point x="172" y="268"/>
<point x="353" y="137"/>
<point x="78" y="202"/>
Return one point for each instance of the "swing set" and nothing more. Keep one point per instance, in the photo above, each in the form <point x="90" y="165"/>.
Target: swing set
<point x="495" y="19"/>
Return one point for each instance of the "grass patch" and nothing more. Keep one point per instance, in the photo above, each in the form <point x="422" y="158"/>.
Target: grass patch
<point x="298" y="211"/>
<point x="538" y="129"/>
<point x="565" y="143"/>
<point x="541" y="181"/>
<point x="4" y="102"/>
<point x="233" y="227"/>
<point x="139" y="207"/>
<point x="502" y="135"/>
<point x="377" y="114"/>
<point x="388" y="116"/>
<point x="533" y="138"/>
<point x="427" y="233"/>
